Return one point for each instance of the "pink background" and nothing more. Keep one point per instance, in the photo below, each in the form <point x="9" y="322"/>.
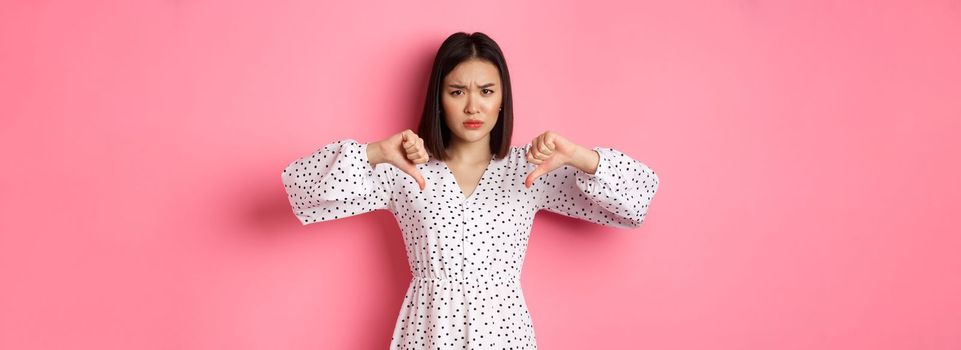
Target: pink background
<point x="808" y="156"/>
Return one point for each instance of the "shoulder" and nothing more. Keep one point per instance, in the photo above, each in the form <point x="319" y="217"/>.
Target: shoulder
<point x="517" y="158"/>
<point x="519" y="153"/>
<point x="521" y="149"/>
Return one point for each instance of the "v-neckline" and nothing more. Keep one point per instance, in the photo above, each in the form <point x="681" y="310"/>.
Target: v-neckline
<point x="480" y="182"/>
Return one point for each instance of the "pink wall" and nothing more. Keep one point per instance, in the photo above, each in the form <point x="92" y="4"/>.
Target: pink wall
<point x="808" y="157"/>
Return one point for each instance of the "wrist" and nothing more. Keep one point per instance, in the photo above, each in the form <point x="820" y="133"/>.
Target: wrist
<point x="374" y="153"/>
<point x="585" y="159"/>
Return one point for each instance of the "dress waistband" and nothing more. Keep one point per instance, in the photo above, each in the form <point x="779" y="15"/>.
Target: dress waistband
<point x="488" y="279"/>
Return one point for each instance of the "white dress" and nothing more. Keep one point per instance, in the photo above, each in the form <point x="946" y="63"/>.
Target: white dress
<point x="465" y="254"/>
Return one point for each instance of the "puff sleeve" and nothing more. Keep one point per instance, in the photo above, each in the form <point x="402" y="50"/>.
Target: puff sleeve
<point x="337" y="181"/>
<point x="618" y="194"/>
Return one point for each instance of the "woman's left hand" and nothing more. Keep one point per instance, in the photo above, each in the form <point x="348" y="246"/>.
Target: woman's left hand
<point x="549" y="151"/>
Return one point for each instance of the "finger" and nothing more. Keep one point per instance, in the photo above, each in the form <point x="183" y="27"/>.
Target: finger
<point x="533" y="176"/>
<point x="549" y="141"/>
<point x="532" y="159"/>
<point x="540" y="156"/>
<point x="542" y="147"/>
<point x="530" y="156"/>
<point x="532" y="150"/>
<point x="410" y="143"/>
<point x="418" y="157"/>
<point x="420" y="180"/>
<point x="417" y="151"/>
<point x="411" y="136"/>
<point x="415" y="174"/>
<point x="418" y="144"/>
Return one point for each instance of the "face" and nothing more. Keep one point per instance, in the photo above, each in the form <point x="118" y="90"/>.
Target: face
<point x="472" y="90"/>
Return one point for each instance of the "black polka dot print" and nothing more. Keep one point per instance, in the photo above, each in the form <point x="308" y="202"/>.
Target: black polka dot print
<point x="466" y="252"/>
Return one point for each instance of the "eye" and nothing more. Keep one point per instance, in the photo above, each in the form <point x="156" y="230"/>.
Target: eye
<point x="454" y="92"/>
<point x="491" y="91"/>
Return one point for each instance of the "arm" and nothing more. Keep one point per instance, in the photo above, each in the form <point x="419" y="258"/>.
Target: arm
<point x="336" y="181"/>
<point x="616" y="194"/>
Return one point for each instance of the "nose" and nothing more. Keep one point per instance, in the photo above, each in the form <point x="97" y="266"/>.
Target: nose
<point x="471" y="107"/>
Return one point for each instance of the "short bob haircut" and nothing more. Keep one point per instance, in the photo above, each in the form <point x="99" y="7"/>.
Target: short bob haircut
<point x="457" y="48"/>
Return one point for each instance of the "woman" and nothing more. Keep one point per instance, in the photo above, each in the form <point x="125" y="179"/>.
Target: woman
<point x="465" y="199"/>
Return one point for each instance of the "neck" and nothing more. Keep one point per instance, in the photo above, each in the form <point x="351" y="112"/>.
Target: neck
<point x="470" y="152"/>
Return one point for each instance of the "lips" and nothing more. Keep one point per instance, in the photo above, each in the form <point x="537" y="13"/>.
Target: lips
<point x="473" y="123"/>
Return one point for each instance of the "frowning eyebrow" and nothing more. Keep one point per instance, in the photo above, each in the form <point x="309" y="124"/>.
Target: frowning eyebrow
<point x="459" y="86"/>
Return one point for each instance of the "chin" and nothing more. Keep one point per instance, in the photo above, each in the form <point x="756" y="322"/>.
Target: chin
<point x="473" y="135"/>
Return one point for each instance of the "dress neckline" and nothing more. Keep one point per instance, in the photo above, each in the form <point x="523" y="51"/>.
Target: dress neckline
<point x="480" y="182"/>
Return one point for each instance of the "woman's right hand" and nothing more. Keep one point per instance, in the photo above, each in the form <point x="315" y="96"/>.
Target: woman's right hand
<point x="403" y="150"/>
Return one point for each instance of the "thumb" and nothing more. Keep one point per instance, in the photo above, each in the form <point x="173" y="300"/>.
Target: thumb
<point x="538" y="171"/>
<point x="411" y="169"/>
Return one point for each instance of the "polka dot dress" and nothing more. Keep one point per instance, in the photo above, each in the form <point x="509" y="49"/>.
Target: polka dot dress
<point x="466" y="252"/>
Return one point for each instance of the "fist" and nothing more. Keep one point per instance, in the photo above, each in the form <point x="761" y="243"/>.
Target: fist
<point x="549" y="151"/>
<point x="405" y="150"/>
